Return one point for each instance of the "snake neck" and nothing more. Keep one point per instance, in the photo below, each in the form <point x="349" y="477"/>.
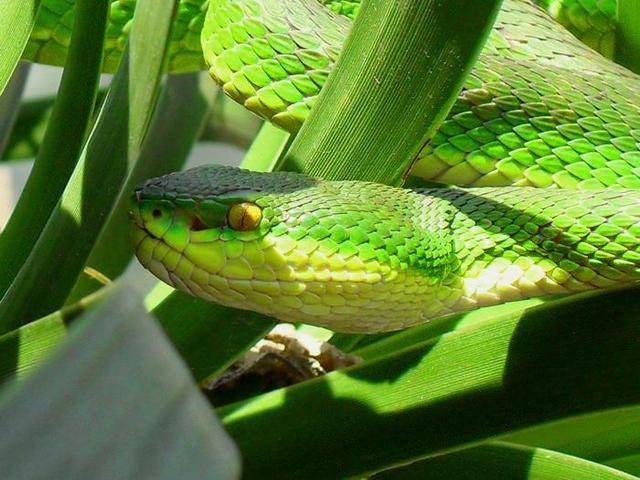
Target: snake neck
<point x="513" y="243"/>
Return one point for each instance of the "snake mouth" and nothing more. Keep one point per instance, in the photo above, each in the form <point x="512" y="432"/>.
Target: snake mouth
<point x="145" y="245"/>
<point x="166" y="263"/>
<point x="194" y="268"/>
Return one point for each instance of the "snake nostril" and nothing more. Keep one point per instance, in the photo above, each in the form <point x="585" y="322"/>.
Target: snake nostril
<point x="157" y="213"/>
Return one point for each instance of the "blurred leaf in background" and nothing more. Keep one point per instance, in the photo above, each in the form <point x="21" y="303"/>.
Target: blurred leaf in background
<point x="114" y="401"/>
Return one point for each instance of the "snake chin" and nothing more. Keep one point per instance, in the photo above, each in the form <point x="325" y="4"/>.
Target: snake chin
<point x="176" y="270"/>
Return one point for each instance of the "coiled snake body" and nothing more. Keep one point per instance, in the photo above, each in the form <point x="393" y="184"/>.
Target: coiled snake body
<point x="540" y="109"/>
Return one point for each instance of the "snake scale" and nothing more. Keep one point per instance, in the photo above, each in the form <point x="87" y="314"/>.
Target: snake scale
<point x="539" y="109"/>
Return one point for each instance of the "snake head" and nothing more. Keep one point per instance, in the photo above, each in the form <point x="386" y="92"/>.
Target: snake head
<point x="287" y="245"/>
<point x="206" y="220"/>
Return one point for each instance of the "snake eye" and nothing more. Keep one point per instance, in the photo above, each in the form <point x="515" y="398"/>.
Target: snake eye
<point x="244" y="216"/>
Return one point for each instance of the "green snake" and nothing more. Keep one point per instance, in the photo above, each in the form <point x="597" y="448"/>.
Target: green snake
<point x="539" y="109"/>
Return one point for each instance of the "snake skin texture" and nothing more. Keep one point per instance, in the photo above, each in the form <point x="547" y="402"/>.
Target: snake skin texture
<point x="51" y="35"/>
<point x="364" y="257"/>
<point x="539" y="108"/>
<point x="592" y="21"/>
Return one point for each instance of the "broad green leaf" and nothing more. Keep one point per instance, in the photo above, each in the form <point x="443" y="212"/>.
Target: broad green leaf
<point x="207" y="336"/>
<point x="373" y="346"/>
<point x="109" y="155"/>
<point x="115" y="401"/>
<point x="567" y="357"/>
<point x="17" y="18"/>
<point x="10" y="103"/>
<point x="63" y="141"/>
<point x="629" y="464"/>
<point x="178" y="119"/>
<point x="401" y="70"/>
<point x="498" y="460"/>
<point x="605" y="436"/>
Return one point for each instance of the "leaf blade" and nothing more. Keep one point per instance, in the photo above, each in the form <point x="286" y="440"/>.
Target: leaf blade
<point x="396" y="88"/>
<point x="564" y="358"/>
<point x="116" y="389"/>
<point x="17" y="19"/>
<point x="108" y="157"/>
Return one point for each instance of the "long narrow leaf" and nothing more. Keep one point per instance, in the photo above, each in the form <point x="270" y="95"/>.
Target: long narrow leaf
<point x="500" y="460"/>
<point x="266" y="149"/>
<point x="27" y="348"/>
<point x="177" y="122"/>
<point x="10" y="103"/>
<point x="208" y="336"/>
<point x="63" y="141"/>
<point x="402" y="67"/>
<point x="17" y="18"/>
<point x="604" y="436"/>
<point x="564" y="358"/>
<point x="407" y="338"/>
<point x="110" y="154"/>
<point x="30" y="127"/>
<point x="629" y="464"/>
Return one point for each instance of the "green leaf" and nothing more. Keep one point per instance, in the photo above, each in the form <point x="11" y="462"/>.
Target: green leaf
<point x="63" y="141"/>
<point x="208" y="336"/>
<point x="567" y="357"/>
<point x="114" y="402"/>
<point x="267" y="148"/>
<point x="369" y="347"/>
<point x="28" y="347"/>
<point x="629" y="464"/>
<point x="17" y="18"/>
<point x="30" y="126"/>
<point x="504" y="460"/>
<point x="401" y="69"/>
<point x="108" y="157"/>
<point x="605" y="436"/>
<point x="183" y="107"/>
<point x="396" y="341"/>
<point x="10" y="104"/>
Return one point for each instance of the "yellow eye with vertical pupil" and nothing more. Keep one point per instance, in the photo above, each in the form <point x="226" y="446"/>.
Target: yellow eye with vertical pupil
<point x="244" y="216"/>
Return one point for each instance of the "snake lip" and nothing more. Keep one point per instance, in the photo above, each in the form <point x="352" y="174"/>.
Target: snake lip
<point x="134" y="220"/>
